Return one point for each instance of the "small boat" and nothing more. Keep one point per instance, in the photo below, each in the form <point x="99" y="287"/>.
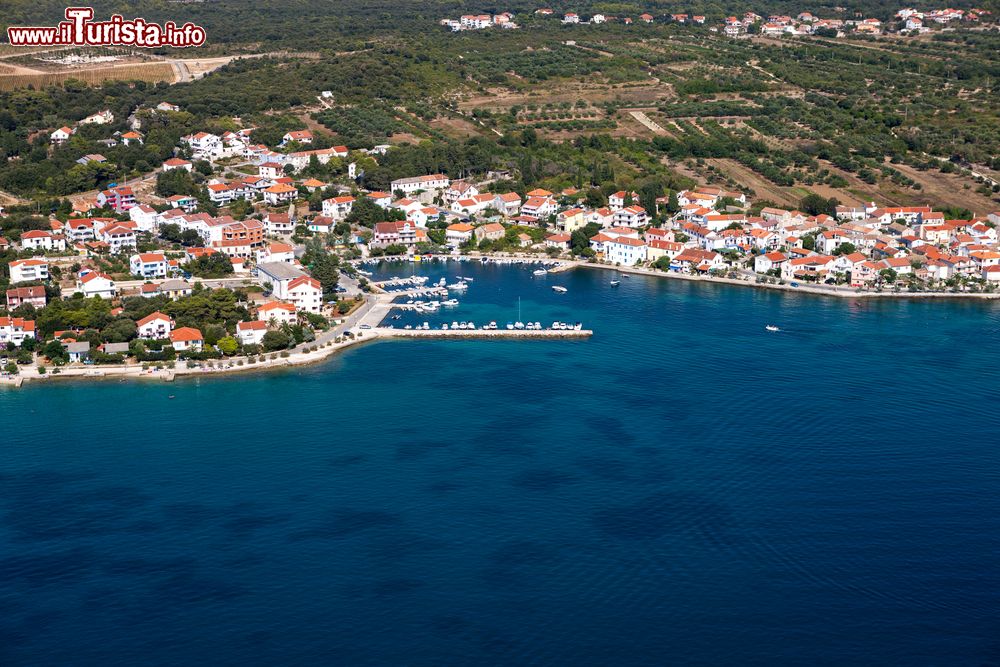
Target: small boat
<point x="444" y="327"/>
<point x="559" y="289"/>
<point x="492" y="325"/>
<point x="426" y="326"/>
<point x="539" y="272"/>
<point x="578" y="326"/>
<point x="518" y="325"/>
<point x="616" y="283"/>
<point x="468" y="279"/>
<point x="450" y="302"/>
<point x="408" y="326"/>
<point x="454" y="325"/>
<point x="538" y="326"/>
<point x="510" y="325"/>
<point x="771" y="327"/>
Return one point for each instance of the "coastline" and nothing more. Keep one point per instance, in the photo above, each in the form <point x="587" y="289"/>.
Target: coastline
<point x="845" y="293"/>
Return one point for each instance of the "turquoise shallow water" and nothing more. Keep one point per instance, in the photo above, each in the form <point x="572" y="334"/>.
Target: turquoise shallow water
<point x="681" y="488"/>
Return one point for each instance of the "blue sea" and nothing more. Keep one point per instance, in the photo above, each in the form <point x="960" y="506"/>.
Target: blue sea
<point x="682" y="488"/>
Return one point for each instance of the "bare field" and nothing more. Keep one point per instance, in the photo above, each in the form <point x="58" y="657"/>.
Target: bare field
<point x="150" y="72"/>
<point x="947" y="189"/>
<point x="458" y="128"/>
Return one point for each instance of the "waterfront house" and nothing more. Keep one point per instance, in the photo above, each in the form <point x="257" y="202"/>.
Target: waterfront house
<point x="156" y="325"/>
<point x="769" y="261"/>
<point x="655" y="249"/>
<point x="305" y="293"/>
<point x="395" y="232"/>
<point x="15" y="329"/>
<point x="78" y="351"/>
<point x="187" y="339"/>
<point x="558" y="241"/>
<point x="251" y="333"/>
<point x="278" y="312"/>
<point x="458" y="233"/>
<point x="491" y="232"/>
<point x="625" y="251"/>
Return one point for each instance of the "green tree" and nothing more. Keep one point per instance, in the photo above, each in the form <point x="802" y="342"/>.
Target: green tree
<point x="228" y="345"/>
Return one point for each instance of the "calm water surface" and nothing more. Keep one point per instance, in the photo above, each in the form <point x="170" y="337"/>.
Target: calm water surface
<point x="683" y="488"/>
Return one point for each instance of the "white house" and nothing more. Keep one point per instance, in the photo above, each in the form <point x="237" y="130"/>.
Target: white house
<point x="15" y="330"/>
<point x="277" y="311"/>
<point x="766" y="262"/>
<point x="177" y="163"/>
<point x="61" y="135"/>
<point x="631" y="216"/>
<point x="458" y="233"/>
<point x="155" y="326"/>
<point x="338" y="208"/>
<point x="95" y="283"/>
<point x="27" y="270"/>
<point x="148" y="265"/>
<point x="280" y="193"/>
<point x="37" y="239"/>
<point x="305" y="293"/>
<point x="625" y="251"/>
<point x="418" y="183"/>
<point x="187" y="338"/>
<point x="251" y="333"/>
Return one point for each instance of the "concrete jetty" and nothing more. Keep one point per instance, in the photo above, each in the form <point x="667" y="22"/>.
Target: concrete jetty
<point x="484" y="333"/>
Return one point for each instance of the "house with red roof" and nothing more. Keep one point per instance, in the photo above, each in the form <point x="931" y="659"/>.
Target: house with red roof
<point x="156" y="326"/>
<point x="187" y="339"/>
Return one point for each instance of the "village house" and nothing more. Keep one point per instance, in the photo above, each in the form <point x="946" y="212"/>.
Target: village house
<point x="251" y="333"/>
<point x="631" y="216"/>
<point x="177" y="163"/>
<point x="570" y="220"/>
<point x="148" y="265"/>
<point x="625" y="251"/>
<point x="656" y="248"/>
<point x="61" y="135"/>
<point x="37" y="239"/>
<point x="458" y="233"/>
<point x="382" y="199"/>
<point x="420" y="183"/>
<point x="33" y="295"/>
<point x="459" y="190"/>
<point x="305" y="293"/>
<point x="558" y="241"/>
<point x="278" y="312"/>
<point x="155" y="326"/>
<point x="338" y="208"/>
<point x="280" y="193"/>
<point x="298" y="136"/>
<point x="616" y="201"/>
<point x="187" y="203"/>
<point x="146" y="218"/>
<point x="94" y="283"/>
<point x="395" y="232"/>
<point x="28" y="270"/>
<point x="769" y="261"/>
<point x="493" y="231"/>
<point x="539" y="207"/>
<point x="508" y="203"/>
<point x="187" y="339"/>
<point x="120" y="198"/>
<point x="14" y="330"/>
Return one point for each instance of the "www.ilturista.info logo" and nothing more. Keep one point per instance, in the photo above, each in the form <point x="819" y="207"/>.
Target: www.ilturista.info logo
<point x="79" y="30"/>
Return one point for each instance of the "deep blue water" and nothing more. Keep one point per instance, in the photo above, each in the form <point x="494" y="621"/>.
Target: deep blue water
<point x="683" y="488"/>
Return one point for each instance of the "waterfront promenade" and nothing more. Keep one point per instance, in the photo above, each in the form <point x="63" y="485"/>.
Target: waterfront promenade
<point x="360" y="326"/>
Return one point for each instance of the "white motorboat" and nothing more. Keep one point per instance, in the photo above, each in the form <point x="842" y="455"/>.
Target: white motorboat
<point x="492" y="325"/>
<point x="559" y="289"/>
<point x="518" y="325"/>
<point x="539" y="272"/>
<point x="616" y="283"/>
<point x="771" y="327"/>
